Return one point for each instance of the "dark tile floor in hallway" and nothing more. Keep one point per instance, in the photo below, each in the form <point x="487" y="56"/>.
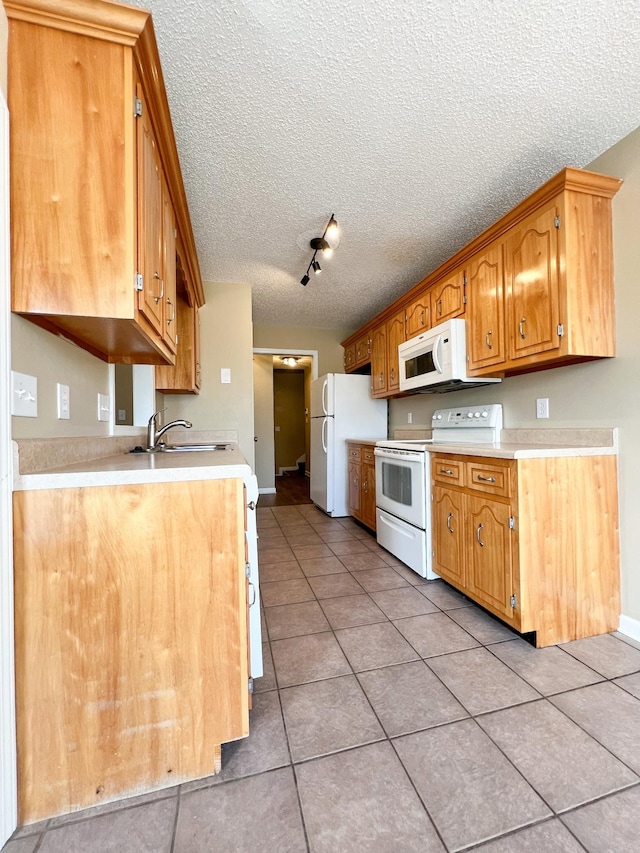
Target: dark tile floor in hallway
<point x="395" y="715"/>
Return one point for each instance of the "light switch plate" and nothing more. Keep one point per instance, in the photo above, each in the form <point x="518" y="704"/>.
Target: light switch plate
<point x="24" y="395"/>
<point x="104" y="407"/>
<point x="225" y="375"/>
<point x="64" y="412"/>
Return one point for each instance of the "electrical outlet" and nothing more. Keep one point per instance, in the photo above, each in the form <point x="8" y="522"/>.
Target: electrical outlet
<point x="542" y="407"/>
<point x="64" y="412"/>
<point x="24" y="395"/>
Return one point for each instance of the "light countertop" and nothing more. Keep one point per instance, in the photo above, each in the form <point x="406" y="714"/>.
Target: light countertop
<point x="129" y="468"/>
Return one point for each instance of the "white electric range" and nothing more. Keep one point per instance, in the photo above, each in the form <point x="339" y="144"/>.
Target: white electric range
<point x="403" y="492"/>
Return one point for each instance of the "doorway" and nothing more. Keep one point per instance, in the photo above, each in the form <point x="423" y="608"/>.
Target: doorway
<point x="282" y="387"/>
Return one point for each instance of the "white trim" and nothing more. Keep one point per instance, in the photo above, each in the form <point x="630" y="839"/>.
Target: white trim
<point x="630" y="627"/>
<point x="313" y="353"/>
<point x="270" y="490"/>
<point x="8" y="780"/>
<point x="286" y="468"/>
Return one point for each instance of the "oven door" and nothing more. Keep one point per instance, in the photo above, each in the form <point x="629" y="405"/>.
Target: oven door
<point x="401" y="484"/>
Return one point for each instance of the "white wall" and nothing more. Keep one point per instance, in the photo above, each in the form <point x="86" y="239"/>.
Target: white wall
<point x="325" y="341"/>
<point x="225" y="342"/>
<point x="602" y="393"/>
<point x="52" y="359"/>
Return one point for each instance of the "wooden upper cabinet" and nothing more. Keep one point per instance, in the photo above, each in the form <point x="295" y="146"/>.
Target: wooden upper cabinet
<point x="418" y="315"/>
<point x="395" y="336"/>
<point x="447" y="298"/>
<point x="485" y="309"/>
<point x="362" y="350"/>
<point x="94" y="187"/>
<point x="379" y="361"/>
<point x="531" y="271"/>
<point x="183" y="377"/>
<point x="349" y="357"/>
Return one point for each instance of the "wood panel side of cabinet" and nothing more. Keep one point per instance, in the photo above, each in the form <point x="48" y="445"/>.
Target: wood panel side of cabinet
<point x="131" y="659"/>
<point x="67" y="233"/>
<point x="586" y="275"/>
<point x="569" y="546"/>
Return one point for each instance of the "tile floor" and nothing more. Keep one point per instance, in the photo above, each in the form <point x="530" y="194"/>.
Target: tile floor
<point x="394" y="715"/>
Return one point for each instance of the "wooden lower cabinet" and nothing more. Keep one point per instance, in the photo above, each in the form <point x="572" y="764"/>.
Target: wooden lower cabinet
<point x="362" y="483"/>
<point x="534" y="541"/>
<point x="131" y="639"/>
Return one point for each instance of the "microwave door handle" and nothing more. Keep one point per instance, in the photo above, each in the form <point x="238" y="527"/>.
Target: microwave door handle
<point x="437" y="354"/>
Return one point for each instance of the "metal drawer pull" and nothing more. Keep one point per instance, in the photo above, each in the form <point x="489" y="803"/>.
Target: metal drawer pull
<point x="447" y="471"/>
<point x="161" y="280"/>
<point x="449" y="528"/>
<point x="479" y="540"/>
<point x="482" y="479"/>
<point x="521" y="327"/>
<point x="487" y="339"/>
<point x="253" y="599"/>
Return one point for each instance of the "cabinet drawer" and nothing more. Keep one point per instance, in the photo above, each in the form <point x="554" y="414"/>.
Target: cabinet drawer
<point x="354" y="454"/>
<point x="368" y="455"/>
<point x="489" y="477"/>
<point x="444" y="469"/>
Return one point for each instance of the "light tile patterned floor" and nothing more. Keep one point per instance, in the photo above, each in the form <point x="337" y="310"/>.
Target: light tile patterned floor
<point x="395" y="715"/>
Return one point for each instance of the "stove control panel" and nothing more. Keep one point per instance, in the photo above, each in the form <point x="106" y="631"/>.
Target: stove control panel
<point x="465" y="417"/>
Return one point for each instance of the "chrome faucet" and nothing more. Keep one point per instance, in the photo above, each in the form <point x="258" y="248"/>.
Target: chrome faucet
<point x="154" y="434"/>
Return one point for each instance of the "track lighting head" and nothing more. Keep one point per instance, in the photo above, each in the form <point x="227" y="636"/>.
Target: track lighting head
<point x="320" y="244"/>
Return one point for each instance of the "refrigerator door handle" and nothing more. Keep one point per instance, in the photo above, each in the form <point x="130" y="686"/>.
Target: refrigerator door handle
<point x="325" y="427"/>
<point x="325" y="397"/>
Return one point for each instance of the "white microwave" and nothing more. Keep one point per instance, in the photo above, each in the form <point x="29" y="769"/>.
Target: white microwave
<point x="436" y="361"/>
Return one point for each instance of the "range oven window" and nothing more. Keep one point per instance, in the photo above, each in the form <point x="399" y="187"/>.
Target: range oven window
<point x="419" y="365"/>
<point x="396" y="483"/>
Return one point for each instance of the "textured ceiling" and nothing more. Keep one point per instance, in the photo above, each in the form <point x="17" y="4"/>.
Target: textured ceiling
<point x="417" y="122"/>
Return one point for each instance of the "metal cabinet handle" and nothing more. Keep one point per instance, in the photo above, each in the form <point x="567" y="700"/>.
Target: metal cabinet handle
<point x="393" y="374"/>
<point x="482" y="479"/>
<point x="446" y="471"/>
<point x="521" y="327"/>
<point x="173" y="315"/>
<point x="161" y="280"/>
<point x="487" y="339"/>
<point x="478" y="539"/>
<point x="252" y="600"/>
<point x="449" y="528"/>
<point x="439" y="306"/>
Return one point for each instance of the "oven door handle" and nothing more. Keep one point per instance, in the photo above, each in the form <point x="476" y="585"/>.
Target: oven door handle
<point x="437" y="353"/>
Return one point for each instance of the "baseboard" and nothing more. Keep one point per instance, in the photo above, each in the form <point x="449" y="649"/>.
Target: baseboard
<point x="268" y="491"/>
<point x="630" y="627"/>
<point x="290" y="468"/>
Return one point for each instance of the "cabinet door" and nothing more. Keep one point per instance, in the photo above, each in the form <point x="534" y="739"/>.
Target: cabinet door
<point x="447" y="298"/>
<point x="531" y="276"/>
<point x="448" y="536"/>
<point x="418" y="316"/>
<point x="489" y="554"/>
<point x="170" y="308"/>
<point x="368" y="505"/>
<point x="485" y="310"/>
<point x="354" y="488"/>
<point x="349" y="358"/>
<point x="395" y="336"/>
<point x="379" y="361"/>
<point x="362" y="350"/>
<point x="150" y="220"/>
<point x="184" y="377"/>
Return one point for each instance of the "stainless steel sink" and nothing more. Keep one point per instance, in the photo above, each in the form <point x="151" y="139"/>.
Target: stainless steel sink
<point x="189" y="448"/>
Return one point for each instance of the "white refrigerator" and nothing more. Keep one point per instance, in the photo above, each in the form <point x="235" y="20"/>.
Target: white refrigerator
<point x="341" y="408"/>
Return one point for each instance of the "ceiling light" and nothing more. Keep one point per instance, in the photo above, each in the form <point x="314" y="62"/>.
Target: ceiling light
<point x="290" y="361"/>
<point x="320" y="244"/>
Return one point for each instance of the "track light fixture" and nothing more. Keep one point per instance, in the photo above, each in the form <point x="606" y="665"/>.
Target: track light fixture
<point x="320" y="244"/>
